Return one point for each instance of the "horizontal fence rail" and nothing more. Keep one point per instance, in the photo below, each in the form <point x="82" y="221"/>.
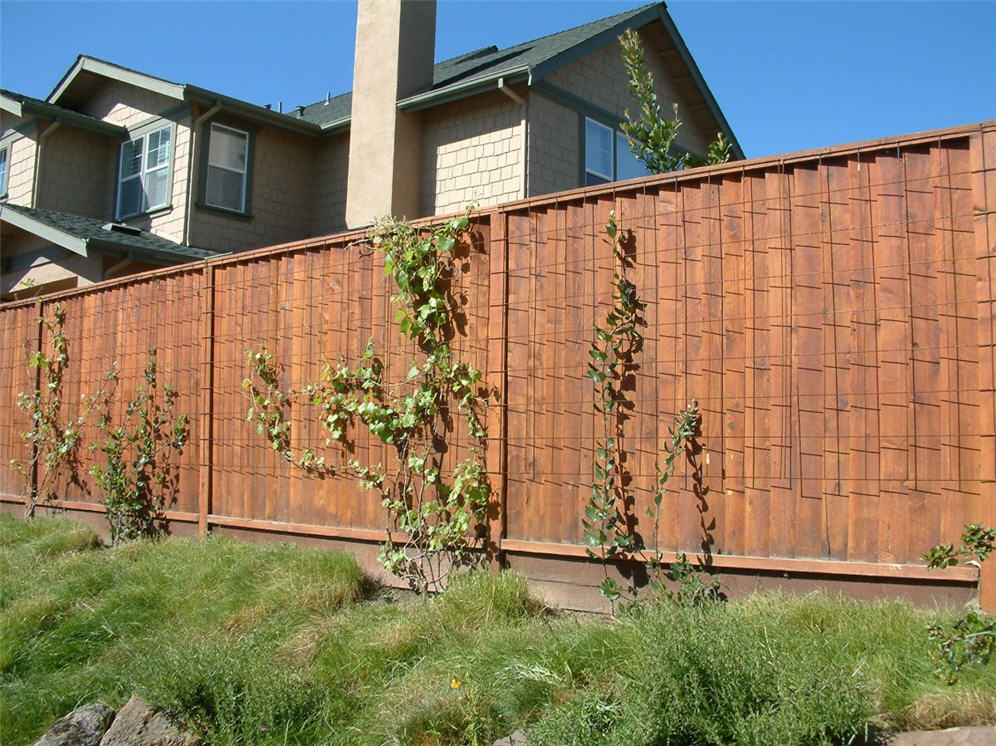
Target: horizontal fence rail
<point x="831" y="312"/>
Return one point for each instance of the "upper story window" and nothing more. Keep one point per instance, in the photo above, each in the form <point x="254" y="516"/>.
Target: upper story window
<point x="597" y="153"/>
<point x="143" y="178"/>
<point x="227" y="168"/>
<point x="607" y="156"/>
<point x="4" y="168"/>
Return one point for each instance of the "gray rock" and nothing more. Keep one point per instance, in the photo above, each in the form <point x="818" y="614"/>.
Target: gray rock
<point x="141" y="724"/>
<point x="84" y="726"/>
<point x="518" y="738"/>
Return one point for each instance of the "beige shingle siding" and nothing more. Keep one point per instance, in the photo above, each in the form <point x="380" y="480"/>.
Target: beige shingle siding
<point x="600" y="78"/>
<point x="125" y="105"/>
<point x="471" y="153"/>
<point x="21" y="170"/>
<point x="77" y="172"/>
<point x="331" y="162"/>
<point x="554" y="146"/>
<point x="281" y="197"/>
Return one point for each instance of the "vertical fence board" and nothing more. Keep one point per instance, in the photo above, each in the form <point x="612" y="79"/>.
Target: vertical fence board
<point x="832" y="314"/>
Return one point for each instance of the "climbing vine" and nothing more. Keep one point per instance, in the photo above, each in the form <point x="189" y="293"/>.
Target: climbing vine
<point x="53" y="438"/>
<point x="609" y="524"/>
<point x="139" y="473"/>
<point x="971" y="638"/>
<point x="432" y="512"/>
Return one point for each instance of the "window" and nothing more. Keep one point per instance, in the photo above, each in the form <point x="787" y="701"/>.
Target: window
<point x="4" y="162"/>
<point x="597" y="153"/>
<point x="627" y="164"/>
<point x="607" y="155"/>
<point x="143" y="178"/>
<point x="227" y="168"/>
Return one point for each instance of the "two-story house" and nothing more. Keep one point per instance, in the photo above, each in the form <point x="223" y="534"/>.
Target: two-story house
<point x="118" y="171"/>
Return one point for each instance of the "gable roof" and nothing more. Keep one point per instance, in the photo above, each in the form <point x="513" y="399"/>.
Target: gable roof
<point x="80" y="234"/>
<point x="21" y="106"/>
<point x="465" y="75"/>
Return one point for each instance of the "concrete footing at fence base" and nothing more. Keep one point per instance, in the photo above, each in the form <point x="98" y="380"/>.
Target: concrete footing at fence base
<point x="572" y="582"/>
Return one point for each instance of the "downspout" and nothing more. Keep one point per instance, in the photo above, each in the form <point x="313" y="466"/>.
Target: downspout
<point x="524" y="154"/>
<point x="192" y="172"/>
<point x="35" y="180"/>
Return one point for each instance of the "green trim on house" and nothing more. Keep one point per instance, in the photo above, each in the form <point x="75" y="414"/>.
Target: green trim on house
<point x="81" y="234"/>
<point x="174" y="115"/>
<point x="252" y="131"/>
<point x="693" y="69"/>
<point x="252" y="111"/>
<point x="76" y="244"/>
<point x="25" y="106"/>
<point x="438" y="96"/>
<point x="149" y="126"/>
<point x="138" y="79"/>
<point x="576" y="103"/>
<point x="454" y="79"/>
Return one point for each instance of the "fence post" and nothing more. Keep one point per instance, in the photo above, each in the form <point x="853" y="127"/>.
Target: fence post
<point x="982" y="148"/>
<point x="497" y="376"/>
<point x="207" y="398"/>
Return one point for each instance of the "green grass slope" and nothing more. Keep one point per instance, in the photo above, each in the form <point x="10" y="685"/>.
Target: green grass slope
<point x="275" y="644"/>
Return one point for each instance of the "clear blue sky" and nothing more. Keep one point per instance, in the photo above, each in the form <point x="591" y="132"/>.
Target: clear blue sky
<point x="788" y="75"/>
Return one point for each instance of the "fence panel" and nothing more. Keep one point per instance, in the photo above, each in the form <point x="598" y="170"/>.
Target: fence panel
<point x="831" y="313"/>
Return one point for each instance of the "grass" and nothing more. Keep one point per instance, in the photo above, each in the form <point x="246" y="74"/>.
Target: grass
<point x="275" y="644"/>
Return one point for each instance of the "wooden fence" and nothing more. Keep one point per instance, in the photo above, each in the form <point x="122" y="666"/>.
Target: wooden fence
<point x="831" y="311"/>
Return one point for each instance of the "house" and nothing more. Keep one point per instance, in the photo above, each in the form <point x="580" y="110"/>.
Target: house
<point x="118" y="171"/>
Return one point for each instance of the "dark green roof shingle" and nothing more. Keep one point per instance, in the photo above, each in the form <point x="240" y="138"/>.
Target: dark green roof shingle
<point x="92" y="229"/>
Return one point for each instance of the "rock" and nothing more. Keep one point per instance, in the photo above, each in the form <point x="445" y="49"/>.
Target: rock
<point x="141" y="724"/>
<point x="518" y="738"/>
<point x="949" y="737"/>
<point x="84" y="726"/>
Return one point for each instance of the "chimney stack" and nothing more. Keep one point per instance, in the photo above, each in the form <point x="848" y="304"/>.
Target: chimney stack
<point x="395" y="49"/>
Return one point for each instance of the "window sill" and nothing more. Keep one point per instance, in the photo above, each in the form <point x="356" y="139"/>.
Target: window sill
<point x="224" y="211"/>
<point x="157" y="212"/>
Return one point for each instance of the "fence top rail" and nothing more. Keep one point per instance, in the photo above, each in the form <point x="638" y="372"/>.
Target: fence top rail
<point x="346" y="238"/>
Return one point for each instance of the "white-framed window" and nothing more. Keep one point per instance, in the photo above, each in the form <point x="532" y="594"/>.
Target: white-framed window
<point x="227" y="168"/>
<point x="143" y="176"/>
<point x="607" y="155"/>
<point x="4" y="169"/>
<point x="597" y="152"/>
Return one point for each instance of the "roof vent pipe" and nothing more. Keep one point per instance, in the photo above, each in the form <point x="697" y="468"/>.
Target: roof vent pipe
<point x="280" y="106"/>
<point x="328" y="97"/>
<point x="300" y="112"/>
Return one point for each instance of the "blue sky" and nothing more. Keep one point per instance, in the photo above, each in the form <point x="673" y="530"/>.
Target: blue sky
<point x="788" y="75"/>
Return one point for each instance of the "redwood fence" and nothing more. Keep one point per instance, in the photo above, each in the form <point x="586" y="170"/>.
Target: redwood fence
<point x="831" y="311"/>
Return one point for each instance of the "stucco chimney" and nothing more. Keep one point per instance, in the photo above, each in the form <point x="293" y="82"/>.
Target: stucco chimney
<point x="395" y="46"/>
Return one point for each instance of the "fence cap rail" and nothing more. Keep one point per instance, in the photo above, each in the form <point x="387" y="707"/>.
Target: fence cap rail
<point x="344" y="239"/>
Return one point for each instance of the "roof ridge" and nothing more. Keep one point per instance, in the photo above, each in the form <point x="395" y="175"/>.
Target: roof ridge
<point x="630" y="12"/>
<point x="494" y="49"/>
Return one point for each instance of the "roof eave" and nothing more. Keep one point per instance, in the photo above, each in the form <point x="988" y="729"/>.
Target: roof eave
<point x="336" y="126"/>
<point x="131" y="77"/>
<point x="76" y="244"/>
<point x="11" y="105"/>
<point x="252" y="111"/>
<point x="465" y="88"/>
<point x="145" y="253"/>
<point x="576" y="52"/>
